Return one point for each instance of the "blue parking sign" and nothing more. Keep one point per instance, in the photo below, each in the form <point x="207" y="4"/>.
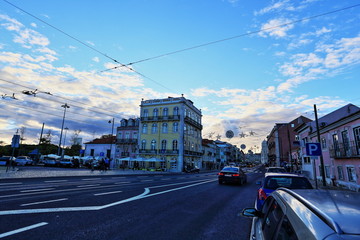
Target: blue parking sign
<point x="313" y="149"/>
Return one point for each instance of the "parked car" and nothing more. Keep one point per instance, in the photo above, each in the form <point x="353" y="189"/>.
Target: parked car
<point x="195" y="169"/>
<point x="65" y="162"/>
<point x="23" y="161"/>
<point x="306" y="214"/>
<point x="275" y="180"/>
<point x="232" y="174"/>
<point x="4" y="160"/>
<point x="51" y="161"/>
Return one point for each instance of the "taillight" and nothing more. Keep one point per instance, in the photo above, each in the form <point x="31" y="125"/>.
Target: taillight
<point x="236" y="175"/>
<point x="262" y="194"/>
<point x="221" y="174"/>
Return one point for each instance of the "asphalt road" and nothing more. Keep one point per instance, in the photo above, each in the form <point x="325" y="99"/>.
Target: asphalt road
<point x="192" y="206"/>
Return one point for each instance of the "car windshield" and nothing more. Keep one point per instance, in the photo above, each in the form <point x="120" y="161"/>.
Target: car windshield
<point x="287" y="182"/>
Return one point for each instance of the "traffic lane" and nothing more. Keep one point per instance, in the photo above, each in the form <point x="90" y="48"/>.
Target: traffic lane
<point x="207" y="211"/>
<point x="85" y="195"/>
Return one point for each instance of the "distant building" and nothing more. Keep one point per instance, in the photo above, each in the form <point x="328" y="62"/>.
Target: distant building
<point x="101" y="147"/>
<point x="209" y="155"/>
<point x="127" y="140"/>
<point x="264" y="152"/>
<point x="170" y="133"/>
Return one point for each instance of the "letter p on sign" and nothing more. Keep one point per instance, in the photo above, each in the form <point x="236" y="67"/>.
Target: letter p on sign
<point x="313" y="149"/>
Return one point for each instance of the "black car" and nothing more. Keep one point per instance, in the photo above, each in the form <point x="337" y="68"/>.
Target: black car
<point x="232" y="174"/>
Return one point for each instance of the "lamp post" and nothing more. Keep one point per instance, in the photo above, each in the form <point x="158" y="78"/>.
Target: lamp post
<point x="64" y="144"/>
<point x="112" y="132"/>
<point x="65" y="106"/>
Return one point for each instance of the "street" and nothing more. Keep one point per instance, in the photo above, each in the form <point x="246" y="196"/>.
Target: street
<point x="190" y="206"/>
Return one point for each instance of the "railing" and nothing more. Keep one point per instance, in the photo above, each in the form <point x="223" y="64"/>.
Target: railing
<point x="150" y="151"/>
<point x="192" y="153"/>
<point x="160" y="118"/>
<point x="350" y="150"/>
<point x="193" y="122"/>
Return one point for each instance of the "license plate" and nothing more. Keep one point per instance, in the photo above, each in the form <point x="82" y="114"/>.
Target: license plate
<point x="228" y="175"/>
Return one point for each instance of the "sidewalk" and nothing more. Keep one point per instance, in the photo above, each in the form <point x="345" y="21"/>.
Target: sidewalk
<point x="35" y="172"/>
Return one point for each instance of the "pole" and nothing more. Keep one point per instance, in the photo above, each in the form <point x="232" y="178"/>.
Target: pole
<point x="38" y="153"/>
<point x="289" y="141"/>
<point x="321" y="156"/>
<point x="65" y="106"/>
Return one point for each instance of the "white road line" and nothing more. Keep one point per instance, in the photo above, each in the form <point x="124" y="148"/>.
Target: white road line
<point x="37" y="190"/>
<point x="106" y="193"/>
<point x="2" y="235"/>
<point x="14" y="183"/>
<point x="121" y="182"/>
<point x="55" y="181"/>
<point x="92" y="185"/>
<point x="145" y="194"/>
<point x="35" y="203"/>
<point x="91" y="179"/>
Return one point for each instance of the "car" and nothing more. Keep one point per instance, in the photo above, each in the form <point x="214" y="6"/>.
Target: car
<point x="65" y="162"/>
<point x="272" y="181"/>
<point x="231" y="174"/>
<point x="306" y="214"/>
<point x="275" y="169"/>
<point x="4" y="160"/>
<point x="23" y="161"/>
<point x="195" y="169"/>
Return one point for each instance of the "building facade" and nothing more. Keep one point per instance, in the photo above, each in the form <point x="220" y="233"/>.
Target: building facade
<point x="127" y="140"/>
<point x="170" y="133"/>
<point x="340" y="143"/>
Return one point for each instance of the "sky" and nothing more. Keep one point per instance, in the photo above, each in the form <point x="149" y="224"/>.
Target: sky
<point x="246" y="64"/>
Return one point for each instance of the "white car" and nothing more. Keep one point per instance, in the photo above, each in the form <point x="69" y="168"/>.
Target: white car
<point x="23" y="160"/>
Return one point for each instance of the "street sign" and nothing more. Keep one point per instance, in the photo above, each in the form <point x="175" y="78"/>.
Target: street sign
<point x="313" y="149"/>
<point x="15" y="141"/>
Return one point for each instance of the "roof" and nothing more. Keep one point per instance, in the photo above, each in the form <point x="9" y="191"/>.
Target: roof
<point x="275" y="174"/>
<point x="109" y="140"/>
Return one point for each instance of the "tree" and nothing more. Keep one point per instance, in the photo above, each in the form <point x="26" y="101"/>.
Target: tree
<point x="74" y="138"/>
<point x="47" y="138"/>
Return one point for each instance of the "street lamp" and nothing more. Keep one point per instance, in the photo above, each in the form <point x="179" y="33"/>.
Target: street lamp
<point x="112" y="132"/>
<point x="65" y="106"/>
<point x="64" y="144"/>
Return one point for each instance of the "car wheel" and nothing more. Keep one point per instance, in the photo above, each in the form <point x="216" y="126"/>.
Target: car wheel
<point x="220" y="182"/>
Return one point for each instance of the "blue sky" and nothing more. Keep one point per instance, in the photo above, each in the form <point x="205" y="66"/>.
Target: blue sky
<point x="235" y="59"/>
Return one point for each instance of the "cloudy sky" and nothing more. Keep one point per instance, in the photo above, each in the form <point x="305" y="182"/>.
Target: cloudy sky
<point x="246" y="64"/>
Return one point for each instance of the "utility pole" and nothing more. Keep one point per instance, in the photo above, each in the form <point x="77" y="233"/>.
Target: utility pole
<point x="319" y="141"/>
<point x="65" y="106"/>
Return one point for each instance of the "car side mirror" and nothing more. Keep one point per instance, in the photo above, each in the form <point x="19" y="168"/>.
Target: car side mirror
<point x="251" y="212"/>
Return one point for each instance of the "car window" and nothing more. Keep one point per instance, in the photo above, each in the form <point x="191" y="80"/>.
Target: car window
<point x="288" y="182"/>
<point x="286" y="231"/>
<point x="230" y="169"/>
<point x="272" y="219"/>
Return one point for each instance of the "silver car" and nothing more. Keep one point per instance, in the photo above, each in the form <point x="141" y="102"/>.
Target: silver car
<point x="307" y="214"/>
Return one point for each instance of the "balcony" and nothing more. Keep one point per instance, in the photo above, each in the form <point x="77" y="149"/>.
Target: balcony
<point x="148" y="151"/>
<point x="193" y="123"/>
<point x="192" y="153"/>
<point x="345" y="151"/>
<point x="161" y="118"/>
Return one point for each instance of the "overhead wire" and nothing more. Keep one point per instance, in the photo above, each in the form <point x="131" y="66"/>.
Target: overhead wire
<point x="87" y="45"/>
<point x="238" y="36"/>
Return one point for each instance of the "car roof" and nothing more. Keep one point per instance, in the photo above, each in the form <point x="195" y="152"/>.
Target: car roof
<point x="340" y="209"/>
<point x="273" y="174"/>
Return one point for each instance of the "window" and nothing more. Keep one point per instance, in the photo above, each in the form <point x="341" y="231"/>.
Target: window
<point x="143" y="144"/>
<point x="340" y="172"/>
<point x="327" y="171"/>
<point x="134" y="136"/>
<point x="323" y="143"/>
<point x="286" y="230"/>
<point x="146" y="113"/>
<point x="175" y="127"/>
<point x="127" y="135"/>
<point x="175" y="145"/>
<point x="165" y="112"/>
<point x="155" y="112"/>
<point x="123" y="123"/>
<point x="345" y="140"/>
<point x="271" y="220"/>
<point x="154" y="128"/>
<point x="153" y="145"/>
<point x="176" y="111"/>
<point x="163" y="145"/>
<point x="307" y="160"/>
<point x="164" y="127"/>
<point x="144" y="128"/>
<point x="119" y="135"/>
<point x="351" y="174"/>
<point x="357" y="139"/>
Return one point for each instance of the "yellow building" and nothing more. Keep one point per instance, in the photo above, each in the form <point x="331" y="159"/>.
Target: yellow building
<point x="170" y="134"/>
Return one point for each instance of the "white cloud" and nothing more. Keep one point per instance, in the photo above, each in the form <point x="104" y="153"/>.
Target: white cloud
<point x="96" y="59"/>
<point x="277" y="28"/>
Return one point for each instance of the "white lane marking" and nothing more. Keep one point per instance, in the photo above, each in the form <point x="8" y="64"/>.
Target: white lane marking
<point x="55" y="181"/>
<point x="94" y="208"/>
<point x="14" y="183"/>
<point x="91" y="179"/>
<point x="35" y="203"/>
<point x="106" y="193"/>
<point x="2" y="235"/>
<point x="92" y="185"/>
<point x="37" y="190"/>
